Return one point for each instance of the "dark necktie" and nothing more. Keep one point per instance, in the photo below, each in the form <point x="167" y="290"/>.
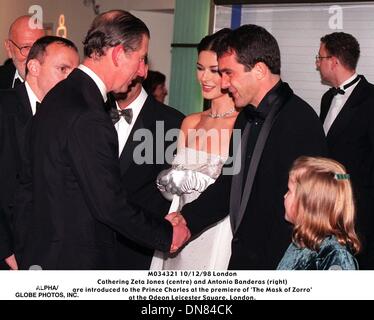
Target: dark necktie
<point x="116" y="114"/>
<point x="17" y="82"/>
<point x="336" y="91"/>
<point x="37" y="105"/>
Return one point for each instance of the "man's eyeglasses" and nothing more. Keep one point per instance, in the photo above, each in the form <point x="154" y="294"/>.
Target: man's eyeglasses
<point x="319" y="58"/>
<point x="24" y="50"/>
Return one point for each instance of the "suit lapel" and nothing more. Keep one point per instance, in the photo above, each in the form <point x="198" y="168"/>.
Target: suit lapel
<point x="345" y="115"/>
<point x="7" y="76"/>
<point x="277" y="101"/>
<point x="325" y="104"/>
<point x="237" y="180"/>
<point x="25" y="111"/>
<point x="21" y="119"/>
<point x="126" y="157"/>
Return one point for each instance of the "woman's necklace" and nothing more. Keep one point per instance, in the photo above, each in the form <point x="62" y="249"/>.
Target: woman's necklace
<point x="221" y="115"/>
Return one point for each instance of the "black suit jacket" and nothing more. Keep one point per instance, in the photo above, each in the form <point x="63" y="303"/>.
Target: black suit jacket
<point x="351" y="141"/>
<point x="77" y="199"/>
<point x="7" y="72"/>
<point x="15" y="117"/>
<point x="139" y="180"/>
<point x="262" y="235"/>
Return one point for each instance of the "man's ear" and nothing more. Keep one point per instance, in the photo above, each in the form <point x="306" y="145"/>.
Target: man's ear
<point x="33" y="67"/>
<point x="7" y="48"/>
<point x="335" y="61"/>
<point x="261" y="70"/>
<point x="116" y="54"/>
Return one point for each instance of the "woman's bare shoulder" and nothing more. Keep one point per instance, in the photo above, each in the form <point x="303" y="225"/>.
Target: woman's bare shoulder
<point x="191" y="120"/>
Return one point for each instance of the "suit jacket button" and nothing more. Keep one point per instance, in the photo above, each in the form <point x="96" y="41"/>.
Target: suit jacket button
<point x="235" y="240"/>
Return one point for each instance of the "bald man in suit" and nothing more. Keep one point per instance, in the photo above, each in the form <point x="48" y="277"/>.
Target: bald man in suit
<point x="20" y="39"/>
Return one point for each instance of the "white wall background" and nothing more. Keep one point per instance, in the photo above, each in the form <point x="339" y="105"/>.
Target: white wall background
<point x="161" y="27"/>
<point x="298" y="29"/>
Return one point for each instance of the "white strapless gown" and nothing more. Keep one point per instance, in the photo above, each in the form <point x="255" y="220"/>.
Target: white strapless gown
<point x="210" y="250"/>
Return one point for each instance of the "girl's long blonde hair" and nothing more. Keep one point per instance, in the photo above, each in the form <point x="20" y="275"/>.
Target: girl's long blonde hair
<point x="324" y="203"/>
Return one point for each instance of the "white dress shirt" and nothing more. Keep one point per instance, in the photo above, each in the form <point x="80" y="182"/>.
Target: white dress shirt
<point x="123" y="128"/>
<point x="338" y="102"/>
<point x="17" y="76"/>
<point x="32" y="98"/>
<point x="100" y="84"/>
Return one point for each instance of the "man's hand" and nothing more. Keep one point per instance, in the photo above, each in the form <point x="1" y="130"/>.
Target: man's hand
<point x="175" y="218"/>
<point x="12" y="262"/>
<point x="181" y="234"/>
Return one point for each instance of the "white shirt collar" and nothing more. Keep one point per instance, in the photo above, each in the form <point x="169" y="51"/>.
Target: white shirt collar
<point x="122" y="127"/>
<point x="100" y="84"/>
<point x="32" y="98"/>
<point x="17" y="76"/>
<point x="338" y="103"/>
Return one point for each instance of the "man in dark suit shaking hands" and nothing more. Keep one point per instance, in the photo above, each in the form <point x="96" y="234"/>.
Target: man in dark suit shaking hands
<point x="277" y="127"/>
<point x="78" y="201"/>
<point x="347" y="113"/>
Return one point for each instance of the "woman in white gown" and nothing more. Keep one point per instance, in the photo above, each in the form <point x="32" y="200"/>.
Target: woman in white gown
<point x="202" y="151"/>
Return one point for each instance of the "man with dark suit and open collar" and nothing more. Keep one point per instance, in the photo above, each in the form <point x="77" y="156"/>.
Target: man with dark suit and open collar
<point x="77" y="200"/>
<point x="277" y="127"/>
<point x="50" y="60"/>
<point x="347" y="113"/>
<point x="21" y="37"/>
<point x="141" y="112"/>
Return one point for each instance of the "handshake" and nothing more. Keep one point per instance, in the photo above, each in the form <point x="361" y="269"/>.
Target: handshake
<point x="176" y="181"/>
<point x="181" y="233"/>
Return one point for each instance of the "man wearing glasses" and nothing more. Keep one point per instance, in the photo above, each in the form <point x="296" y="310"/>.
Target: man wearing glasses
<point x="20" y="40"/>
<point x="347" y="113"/>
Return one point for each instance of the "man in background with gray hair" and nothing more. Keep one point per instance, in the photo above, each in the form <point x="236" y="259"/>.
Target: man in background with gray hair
<point x="21" y="37"/>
